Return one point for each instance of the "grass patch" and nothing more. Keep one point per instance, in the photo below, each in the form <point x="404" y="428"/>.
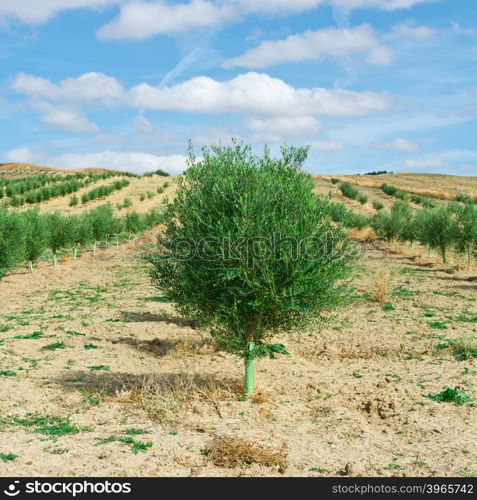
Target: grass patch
<point x="91" y="346"/>
<point x="7" y="373"/>
<point x="97" y="368"/>
<point x="136" y="446"/>
<point x="48" y="425"/>
<point x="54" y="346"/>
<point x="75" y="333"/>
<point x="34" y="335"/>
<point x="7" y="457"/>
<point x="403" y="292"/>
<point x="437" y="325"/>
<point x="462" y="348"/>
<point x="448" y="395"/>
<point x="135" y="432"/>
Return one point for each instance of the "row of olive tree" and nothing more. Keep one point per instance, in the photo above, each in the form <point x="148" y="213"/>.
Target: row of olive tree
<point x="59" y="186"/>
<point x="103" y="191"/>
<point x="425" y="201"/>
<point x="25" y="236"/>
<point x="30" y="188"/>
<point x="446" y="227"/>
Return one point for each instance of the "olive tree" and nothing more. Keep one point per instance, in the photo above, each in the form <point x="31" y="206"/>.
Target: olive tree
<point x="437" y="229"/>
<point x="36" y="236"/>
<point x="466" y="230"/>
<point x="12" y="239"/>
<point x="249" y="250"/>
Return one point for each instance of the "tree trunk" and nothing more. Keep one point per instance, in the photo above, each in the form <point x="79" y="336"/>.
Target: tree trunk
<point x="30" y="266"/>
<point x="249" y="372"/>
<point x="54" y="259"/>
<point x="250" y="360"/>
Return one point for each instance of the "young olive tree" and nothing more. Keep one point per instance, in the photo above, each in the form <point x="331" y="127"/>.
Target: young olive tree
<point x="36" y="236"/>
<point x="12" y="240"/>
<point x="437" y="229"/>
<point x="249" y="250"/>
<point x="466" y="230"/>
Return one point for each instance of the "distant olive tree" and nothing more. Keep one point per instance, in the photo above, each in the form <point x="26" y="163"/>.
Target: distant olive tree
<point x="36" y="236"/>
<point x="436" y="228"/>
<point x="466" y="230"/>
<point x="249" y="250"/>
<point x="12" y="240"/>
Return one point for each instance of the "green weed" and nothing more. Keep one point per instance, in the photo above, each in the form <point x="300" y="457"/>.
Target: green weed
<point x="448" y="395"/>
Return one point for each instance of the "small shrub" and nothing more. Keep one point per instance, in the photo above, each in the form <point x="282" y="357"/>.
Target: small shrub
<point x="348" y="190"/>
<point x="334" y="180"/>
<point x="127" y="203"/>
<point x="161" y="173"/>
<point x="377" y="205"/>
<point x="362" y="198"/>
<point x="389" y="190"/>
<point x="380" y="289"/>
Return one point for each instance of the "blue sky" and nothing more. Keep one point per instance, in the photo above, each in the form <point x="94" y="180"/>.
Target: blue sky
<point x="369" y="84"/>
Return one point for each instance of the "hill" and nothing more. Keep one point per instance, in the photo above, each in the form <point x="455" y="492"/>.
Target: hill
<point x="440" y="186"/>
<point x="17" y="170"/>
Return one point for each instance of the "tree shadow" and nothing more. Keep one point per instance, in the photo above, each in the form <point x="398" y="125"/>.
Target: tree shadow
<point x="157" y="298"/>
<point x="156" y="347"/>
<point x="139" y="317"/>
<point x="458" y="278"/>
<point x="114" y="384"/>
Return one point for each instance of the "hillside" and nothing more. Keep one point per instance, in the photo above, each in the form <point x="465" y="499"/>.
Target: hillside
<point x="16" y="170"/>
<point x="440" y="186"/>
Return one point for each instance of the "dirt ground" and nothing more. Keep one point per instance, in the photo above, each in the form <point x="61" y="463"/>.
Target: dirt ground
<point x="100" y="377"/>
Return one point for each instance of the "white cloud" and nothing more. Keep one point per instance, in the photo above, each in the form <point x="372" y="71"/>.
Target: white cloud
<point x="449" y="159"/>
<point x="380" y="56"/>
<point x="127" y="161"/>
<point x="40" y="11"/>
<point x="142" y="20"/>
<point x="408" y="29"/>
<point x="348" y="5"/>
<point x="86" y="87"/>
<point x="397" y="145"/>
<point x="285" y="126"/>
<point x="256" y="93"/>
<point x="144" y="125"/>
<point x="429" y="163"/>
<point x="67" y="119"/>
<point x="251" y="93"/>
<point x="459" y="30"/>
<point x="21" y="155"/>
<point x="330" y="42"/>
<point x="326" y="146"/>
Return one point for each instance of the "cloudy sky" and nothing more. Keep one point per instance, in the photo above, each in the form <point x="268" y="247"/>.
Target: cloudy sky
<point x="368" y="84"/>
